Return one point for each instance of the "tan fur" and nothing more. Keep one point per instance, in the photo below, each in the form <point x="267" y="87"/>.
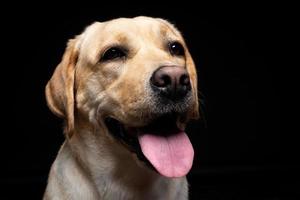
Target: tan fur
<point x="91" y="164"/>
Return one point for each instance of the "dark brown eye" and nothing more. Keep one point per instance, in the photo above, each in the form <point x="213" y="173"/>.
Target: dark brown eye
<point x="176" y="49"/>
<point x="113" y="53"/>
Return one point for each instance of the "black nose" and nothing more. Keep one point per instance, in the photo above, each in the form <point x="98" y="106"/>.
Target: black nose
<point x="172" y="82"/>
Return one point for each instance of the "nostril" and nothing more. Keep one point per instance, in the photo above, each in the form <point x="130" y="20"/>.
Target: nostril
<point x="165" y="80"/>
<point x="161" y="80"/>
<point x="184" y="80"/>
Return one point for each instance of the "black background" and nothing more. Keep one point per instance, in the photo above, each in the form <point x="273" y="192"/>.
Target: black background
<point x="234" y="46"/>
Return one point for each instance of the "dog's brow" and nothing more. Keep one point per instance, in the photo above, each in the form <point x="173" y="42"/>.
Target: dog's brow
<point x="164" y="30"/>
<point x="121" y="38"/>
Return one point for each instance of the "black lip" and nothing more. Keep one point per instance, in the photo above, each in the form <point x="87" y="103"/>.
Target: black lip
<point x="118" y="131"/>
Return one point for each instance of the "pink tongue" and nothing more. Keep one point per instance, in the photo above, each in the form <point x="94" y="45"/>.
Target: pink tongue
<point x="172" y="156"/>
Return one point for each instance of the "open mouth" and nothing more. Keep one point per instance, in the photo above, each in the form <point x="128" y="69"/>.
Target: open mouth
<point x="162" y="145"/>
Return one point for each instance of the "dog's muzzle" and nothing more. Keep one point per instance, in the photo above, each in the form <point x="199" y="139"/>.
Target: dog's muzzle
<point x="162" y="143"/>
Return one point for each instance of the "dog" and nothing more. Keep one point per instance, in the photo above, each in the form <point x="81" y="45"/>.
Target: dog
<point x="125" y="88"/>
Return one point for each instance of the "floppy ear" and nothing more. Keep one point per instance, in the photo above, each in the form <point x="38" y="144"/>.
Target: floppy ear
<point x="191" y="68"/>
<point x="60" y="88"/>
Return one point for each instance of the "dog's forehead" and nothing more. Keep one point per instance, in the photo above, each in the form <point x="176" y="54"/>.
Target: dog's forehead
<point x="134" y="27"/>
<point x="142" y="24"/>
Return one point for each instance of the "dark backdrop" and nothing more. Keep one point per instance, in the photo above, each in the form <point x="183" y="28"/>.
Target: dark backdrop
<point x="237" y="142"/>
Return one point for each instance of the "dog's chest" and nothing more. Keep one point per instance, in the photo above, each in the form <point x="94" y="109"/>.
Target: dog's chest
<point x="160" y="189"/>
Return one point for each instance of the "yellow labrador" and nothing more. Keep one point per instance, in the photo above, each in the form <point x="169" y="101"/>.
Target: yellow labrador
<point x="126" y="89"/>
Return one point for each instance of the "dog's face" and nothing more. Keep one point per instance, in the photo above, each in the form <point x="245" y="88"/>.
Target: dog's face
<point x="136" y="78"/>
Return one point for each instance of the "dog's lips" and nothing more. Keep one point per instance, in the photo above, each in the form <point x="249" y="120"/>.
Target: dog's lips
<point x="160" y="144"/>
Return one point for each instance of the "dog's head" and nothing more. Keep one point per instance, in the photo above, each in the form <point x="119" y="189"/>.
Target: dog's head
<point x="136" y="78"/>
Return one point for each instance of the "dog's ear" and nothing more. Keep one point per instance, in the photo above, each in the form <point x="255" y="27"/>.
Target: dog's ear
<point x="60" y="88"/>
<point x="191" y="68"/>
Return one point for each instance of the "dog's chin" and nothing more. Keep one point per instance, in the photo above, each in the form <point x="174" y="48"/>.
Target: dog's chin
<point x="161" y="144"/>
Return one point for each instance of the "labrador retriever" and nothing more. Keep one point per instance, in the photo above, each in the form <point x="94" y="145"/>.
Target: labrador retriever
<point x="126" y="89"/>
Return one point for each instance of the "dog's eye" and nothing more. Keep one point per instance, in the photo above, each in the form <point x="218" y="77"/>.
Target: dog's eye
<point x="176" y="49"/>
<point x="113" y="53"/>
